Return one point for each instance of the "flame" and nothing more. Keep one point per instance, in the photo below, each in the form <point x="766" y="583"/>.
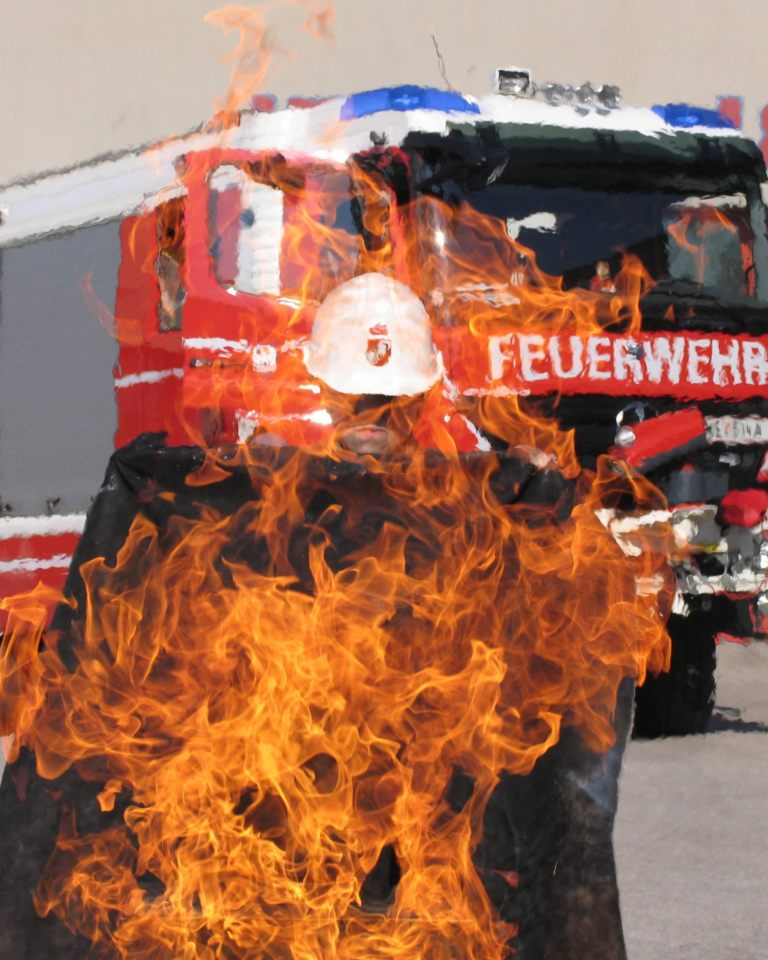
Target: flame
<point x="476" y="282"/>
<point x="690" y="233"/>
<point x="259" y="42"/>
<point x="270" y="728"/>
<point x="273" y="740"/>
<point x="257" y="47"/>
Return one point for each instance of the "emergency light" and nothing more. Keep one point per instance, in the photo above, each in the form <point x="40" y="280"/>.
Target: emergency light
<point x="683" y="115"/>
<point x="403" y="98"/>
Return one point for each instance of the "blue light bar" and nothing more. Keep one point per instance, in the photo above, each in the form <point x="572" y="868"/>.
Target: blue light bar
<point x="684" y="115"/>
<point x="405" y="98"/>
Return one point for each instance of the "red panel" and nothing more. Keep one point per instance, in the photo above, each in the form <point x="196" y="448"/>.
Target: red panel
<point x="306" y="103"/>
<point x="147" y="375"/>
<point x="745" y="508"/>
<point x="686" y="366"/>
<point x="730" y="108"/>
<point x="263" y="102"/>
<point x="151" y="407"/>
<point x="673" y="432"/>
<point x="36" y="560"/>
<point x="38" y="548"/>
<point x="137" y="288"/>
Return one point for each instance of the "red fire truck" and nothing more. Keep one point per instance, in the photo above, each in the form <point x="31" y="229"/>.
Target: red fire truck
<point x="193" y="256"/>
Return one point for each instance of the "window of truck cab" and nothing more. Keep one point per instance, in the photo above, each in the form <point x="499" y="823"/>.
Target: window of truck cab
<point x="689" y="243"/>
<point x="169" y="225"/>
<point x="281" y="229"/>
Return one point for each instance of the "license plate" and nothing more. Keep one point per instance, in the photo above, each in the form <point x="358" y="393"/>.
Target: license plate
<point x="734" y="430"/>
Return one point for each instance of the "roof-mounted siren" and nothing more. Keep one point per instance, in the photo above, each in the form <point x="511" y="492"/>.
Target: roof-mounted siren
<point x="514" y="82"/>
<point x="517" y="82"/>
<point x="607" y="97"/>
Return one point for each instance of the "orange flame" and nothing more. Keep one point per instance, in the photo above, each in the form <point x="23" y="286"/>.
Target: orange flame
<point x="463" y="265"/>
<point x="259" y="42"/>
<point x="274" y="729"/>
<point x="690" y="233"/>
<point x="274" y="740"/>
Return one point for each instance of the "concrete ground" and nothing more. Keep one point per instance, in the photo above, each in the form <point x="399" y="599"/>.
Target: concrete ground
<point x="692" y="829"/>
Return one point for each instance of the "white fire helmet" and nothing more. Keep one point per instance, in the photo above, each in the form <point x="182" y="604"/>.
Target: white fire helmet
<point x="372" y="335"/>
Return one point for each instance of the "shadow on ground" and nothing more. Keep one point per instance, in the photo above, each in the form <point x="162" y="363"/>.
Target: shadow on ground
<point x="729" y="718"/>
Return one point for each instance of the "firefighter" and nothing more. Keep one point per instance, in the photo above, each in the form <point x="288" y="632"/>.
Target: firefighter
<point x="372" y="339"/>
<point x="552" y="829"/>
<point x="545" y="857"/>
<point x="371" y="342"/>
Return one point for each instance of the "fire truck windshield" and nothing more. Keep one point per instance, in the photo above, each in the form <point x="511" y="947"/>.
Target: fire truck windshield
<point x="280" y="229"/>
<point x="702" y="242"/>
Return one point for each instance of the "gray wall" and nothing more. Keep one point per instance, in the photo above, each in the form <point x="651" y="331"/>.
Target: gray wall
<point x="57" y="404"/>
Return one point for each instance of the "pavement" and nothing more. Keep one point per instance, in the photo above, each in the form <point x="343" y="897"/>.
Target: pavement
<point x="692" y="828"/>
<point x="691" y="835"/>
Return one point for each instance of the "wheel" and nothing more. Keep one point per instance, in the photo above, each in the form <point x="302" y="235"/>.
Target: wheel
<point x="680" y="702"/>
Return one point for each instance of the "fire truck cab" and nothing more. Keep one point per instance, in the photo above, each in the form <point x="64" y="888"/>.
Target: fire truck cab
<point x="225" y="243"/>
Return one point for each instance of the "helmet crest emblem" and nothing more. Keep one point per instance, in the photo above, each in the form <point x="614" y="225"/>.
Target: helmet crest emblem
<point x="378" y="352"/>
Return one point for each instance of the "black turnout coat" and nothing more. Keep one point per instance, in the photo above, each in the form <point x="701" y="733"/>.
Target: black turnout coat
<point x="552" y="827"/>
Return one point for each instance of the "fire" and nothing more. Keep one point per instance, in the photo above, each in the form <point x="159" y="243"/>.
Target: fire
<point x="275" y="696"/>
<point x="478" y="284"/>
<point x="691" y="231"/>
<point x="269" y="730"/>
<point x="259" y="42"/>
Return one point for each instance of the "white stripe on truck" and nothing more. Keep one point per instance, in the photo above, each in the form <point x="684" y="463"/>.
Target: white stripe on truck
<point x="148" y="376"/>
<point x="12" y="528"/>
<point x="28" y="564"/>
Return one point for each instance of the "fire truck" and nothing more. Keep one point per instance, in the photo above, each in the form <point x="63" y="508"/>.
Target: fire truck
<point x="167" y="290"/>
